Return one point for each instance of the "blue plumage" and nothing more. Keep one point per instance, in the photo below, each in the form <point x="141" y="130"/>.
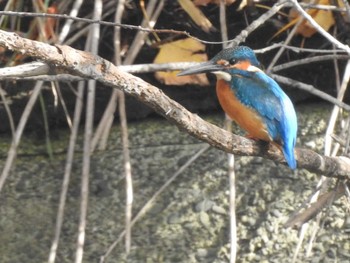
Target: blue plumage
<point x="258" y="91"/>
<point x="253" y="99"/>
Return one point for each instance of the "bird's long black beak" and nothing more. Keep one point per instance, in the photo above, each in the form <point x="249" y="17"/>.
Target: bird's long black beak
<point x="204" y="67"/>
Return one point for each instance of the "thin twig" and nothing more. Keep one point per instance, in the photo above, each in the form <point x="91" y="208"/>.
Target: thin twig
<point x="94" y="37"/>
<point x="67" y="25"/>
<point x="127" y="170"/>
<point x="223" y="26"/>
<point x="18" y="134"/>
<point x="323" y="7"/>
<point x="322" y="184"/>
<point x="232" y="199"/>
<point x="311" y="89"/>
<point x="257" y="22"/>
<point x="323" y="32"/>
<point x="298" y="49"/>
<point x="31" y="69"/>
<point x="151" y="201"/>
<point x="153" y="10"/>
<point x="335" y="112"/>
<point x="72" y="141"/>
<point x="57" y="89"/>
<point x="240" y="38"/>
<point x="46" y="127"/>
<point x="124" y="133"/>
<point x="300" y="242"/>
<point x="85" y="172"/>
<point x="233" y="220"/>
<point x="8" y="111"/>
<point x="321" y="187"/>
<point x="67" y="171"/>
<point x="281" y="50"/>
<point x="230" y="157"/>
<point x="298" y="62"/>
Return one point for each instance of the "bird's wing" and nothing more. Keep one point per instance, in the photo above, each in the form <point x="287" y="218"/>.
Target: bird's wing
<point x="260" y="92"/>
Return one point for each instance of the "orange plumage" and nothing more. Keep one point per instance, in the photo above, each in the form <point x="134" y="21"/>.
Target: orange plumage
<point x="245" y="117"/>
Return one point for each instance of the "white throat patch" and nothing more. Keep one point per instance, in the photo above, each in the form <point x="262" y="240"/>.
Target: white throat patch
<point x="222" y="75"/>
<point x="252" y="68"/>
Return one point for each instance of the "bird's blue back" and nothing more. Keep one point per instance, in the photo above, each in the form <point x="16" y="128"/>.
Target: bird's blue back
<point x="261" y="93"/>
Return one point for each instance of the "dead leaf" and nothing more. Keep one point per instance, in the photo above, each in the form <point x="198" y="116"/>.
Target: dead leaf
<point x="196" y="14"/>
<point x="322" y="17"/>
<point x="185" y="50"/>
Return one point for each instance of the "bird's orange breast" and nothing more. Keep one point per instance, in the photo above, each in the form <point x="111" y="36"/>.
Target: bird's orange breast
<point x="248" y="119"/>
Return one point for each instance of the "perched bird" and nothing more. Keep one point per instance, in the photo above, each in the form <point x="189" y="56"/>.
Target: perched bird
<point x="252" y="99"/>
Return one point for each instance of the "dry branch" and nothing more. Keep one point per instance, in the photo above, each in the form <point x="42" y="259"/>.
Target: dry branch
<point x="65" y="59"/>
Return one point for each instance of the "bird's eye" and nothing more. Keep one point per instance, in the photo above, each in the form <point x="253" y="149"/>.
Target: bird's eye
<point x="232" y="61"/>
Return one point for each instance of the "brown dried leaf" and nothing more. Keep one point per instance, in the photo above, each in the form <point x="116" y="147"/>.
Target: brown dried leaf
<point x="185" y="50"/>
<point x="322" y="17"/>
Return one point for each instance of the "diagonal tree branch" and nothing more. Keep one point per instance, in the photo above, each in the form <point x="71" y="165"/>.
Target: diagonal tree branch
<point x="65" y="59"/>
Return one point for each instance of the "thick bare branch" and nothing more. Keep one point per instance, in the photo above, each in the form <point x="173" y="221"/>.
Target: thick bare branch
<point x="79" y="63"/>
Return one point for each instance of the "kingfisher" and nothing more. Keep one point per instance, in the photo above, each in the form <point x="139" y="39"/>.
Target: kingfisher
<point x="252" y="99"/>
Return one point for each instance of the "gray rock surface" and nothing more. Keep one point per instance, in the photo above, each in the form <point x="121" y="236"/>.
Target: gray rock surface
<point x="189" y="222"/>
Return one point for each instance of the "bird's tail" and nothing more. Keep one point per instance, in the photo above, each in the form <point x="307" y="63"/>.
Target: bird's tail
<point x="288" y="153"/>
